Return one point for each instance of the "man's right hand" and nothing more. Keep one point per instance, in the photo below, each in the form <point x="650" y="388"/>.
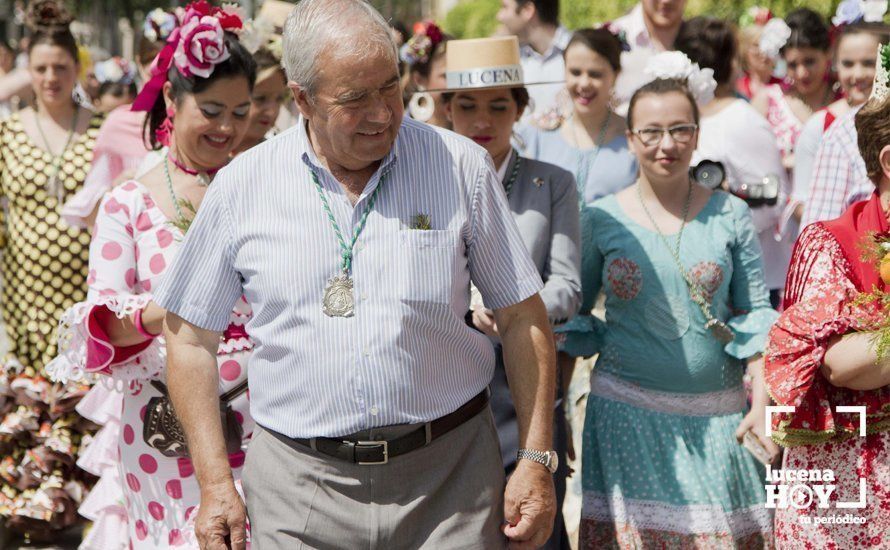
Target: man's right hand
<point x="222" y="518"/>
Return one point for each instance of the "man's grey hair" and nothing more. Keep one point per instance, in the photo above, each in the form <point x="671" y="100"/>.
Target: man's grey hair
<point x="353" y="27"/>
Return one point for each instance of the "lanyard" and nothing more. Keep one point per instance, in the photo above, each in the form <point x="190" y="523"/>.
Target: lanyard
<point x="346" y="251"/>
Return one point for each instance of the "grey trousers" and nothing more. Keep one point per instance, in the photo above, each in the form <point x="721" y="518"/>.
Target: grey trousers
<point x="446" y="495"/>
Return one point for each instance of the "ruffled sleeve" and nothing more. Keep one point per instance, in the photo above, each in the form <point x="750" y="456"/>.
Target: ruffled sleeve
<point x="824" y="307"/>
<point x="752" y="314"/>
<point x="750" y="330"/>
<point x="582" y="336"/>
<point x="84" y="346"/>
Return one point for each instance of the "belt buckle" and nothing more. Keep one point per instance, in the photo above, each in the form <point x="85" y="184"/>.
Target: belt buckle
<point x="371" y="444"/>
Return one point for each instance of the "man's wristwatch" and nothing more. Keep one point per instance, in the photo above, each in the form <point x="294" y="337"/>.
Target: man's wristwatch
<point x="548" y="458"/>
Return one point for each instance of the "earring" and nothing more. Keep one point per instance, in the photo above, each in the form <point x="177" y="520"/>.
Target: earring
<point x="422" y="106"/>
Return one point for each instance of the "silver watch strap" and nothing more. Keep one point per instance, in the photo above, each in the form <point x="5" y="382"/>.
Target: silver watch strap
<point x="541" y="457"/>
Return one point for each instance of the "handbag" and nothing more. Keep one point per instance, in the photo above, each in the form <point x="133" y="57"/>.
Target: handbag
<point x="163" y="432"/>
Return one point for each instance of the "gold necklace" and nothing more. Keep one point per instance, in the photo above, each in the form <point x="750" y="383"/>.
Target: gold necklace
<point x="52" y="184"/>
<point x="718" y="328"/>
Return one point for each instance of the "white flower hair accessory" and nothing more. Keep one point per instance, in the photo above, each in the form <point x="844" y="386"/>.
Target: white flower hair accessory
<point x="256" y="34"/>
<point x="158" y="25"/>
<point x="116" y="69"/>
<point x="676" y="65"/>
<point x="853" y="11"/>
<point x="873" y="11"/>
<point x="775" y="35"/>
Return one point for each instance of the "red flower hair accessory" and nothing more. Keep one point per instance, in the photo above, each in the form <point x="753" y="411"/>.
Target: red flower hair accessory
<point x="194" y="47"/>
<point x="418" y="48"/>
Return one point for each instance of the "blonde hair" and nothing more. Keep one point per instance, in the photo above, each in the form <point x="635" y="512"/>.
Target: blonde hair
<point x="748" y="37"/>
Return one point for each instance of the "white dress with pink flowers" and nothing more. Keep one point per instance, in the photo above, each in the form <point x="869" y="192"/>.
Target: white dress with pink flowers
<point x="143" y="499"/>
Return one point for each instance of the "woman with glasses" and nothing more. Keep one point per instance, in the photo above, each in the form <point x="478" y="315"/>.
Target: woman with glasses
<point x="686" y="312"/>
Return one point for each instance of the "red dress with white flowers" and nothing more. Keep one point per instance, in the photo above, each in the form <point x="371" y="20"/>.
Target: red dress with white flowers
<point x="143" y="499"/>
<point x="816" y="435"/>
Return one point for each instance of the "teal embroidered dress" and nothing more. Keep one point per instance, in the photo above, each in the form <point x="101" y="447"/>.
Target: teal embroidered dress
<point x="661" y="466"/>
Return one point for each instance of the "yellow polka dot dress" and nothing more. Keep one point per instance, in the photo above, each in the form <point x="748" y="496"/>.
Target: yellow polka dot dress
<point x="44" y="272"/>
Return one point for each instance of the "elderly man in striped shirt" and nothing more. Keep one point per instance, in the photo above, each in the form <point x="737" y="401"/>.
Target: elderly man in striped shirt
<point x="355" y="236"/>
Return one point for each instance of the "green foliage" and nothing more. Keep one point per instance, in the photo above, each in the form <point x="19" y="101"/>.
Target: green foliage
<point x="475" y="18"/>
<point x="472" y="18"/>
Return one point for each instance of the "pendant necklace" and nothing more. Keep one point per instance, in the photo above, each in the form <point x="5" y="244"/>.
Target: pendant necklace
<point x="204" y="177"/>
<point x="53" y="186"/>
<point x="181" y="222"/>
<point x="339" y="299"/>
<point x="718" y="328"/>
<point x="586" y="159"/>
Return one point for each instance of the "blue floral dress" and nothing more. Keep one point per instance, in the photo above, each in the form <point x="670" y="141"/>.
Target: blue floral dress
<point x="661" y="466"/>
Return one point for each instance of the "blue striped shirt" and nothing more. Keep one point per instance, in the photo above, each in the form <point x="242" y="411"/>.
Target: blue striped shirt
<point x="407" y="355"/>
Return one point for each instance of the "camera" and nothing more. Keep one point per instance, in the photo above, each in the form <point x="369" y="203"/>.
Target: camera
<point x="763" y="193"/>
<point x="712" y="174"/>
<point x="709" y="173"/>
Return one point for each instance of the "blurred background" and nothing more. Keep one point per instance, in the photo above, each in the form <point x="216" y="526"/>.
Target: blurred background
<point x="108" y="24"/>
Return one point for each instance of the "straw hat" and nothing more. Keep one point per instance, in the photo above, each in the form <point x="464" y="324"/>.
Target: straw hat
<point x="483" y="64"/>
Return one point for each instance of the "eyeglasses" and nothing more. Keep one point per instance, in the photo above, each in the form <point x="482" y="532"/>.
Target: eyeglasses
<point x="681" y="133"/>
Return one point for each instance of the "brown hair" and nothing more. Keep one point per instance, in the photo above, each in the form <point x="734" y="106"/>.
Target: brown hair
<point x="48" y="21"/>
<point x="147" y="50"/>
<point x="880" y="31"/>
<point x="518" y="93"/>
<point x="239" y="64"/>
<point x="662" y="86"/>
<point x="711" y="43"/>
<point x="422" y="68"/>
<point x="600" y="41"/>
<point x="547" y="10"/>
<point x="873" y="129"/>
<point x="265" y="59"/>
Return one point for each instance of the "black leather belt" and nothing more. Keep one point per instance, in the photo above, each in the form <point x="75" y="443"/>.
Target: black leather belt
<point x="379" y="452"/>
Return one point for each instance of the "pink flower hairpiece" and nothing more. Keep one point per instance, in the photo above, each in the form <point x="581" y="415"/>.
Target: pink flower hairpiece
<point x="194" y="47"/>
<point x="427" y="35"/>
<point x="756" y="15"/>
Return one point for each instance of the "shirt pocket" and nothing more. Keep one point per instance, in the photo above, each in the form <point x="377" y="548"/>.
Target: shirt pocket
<point x="428" y="259"/>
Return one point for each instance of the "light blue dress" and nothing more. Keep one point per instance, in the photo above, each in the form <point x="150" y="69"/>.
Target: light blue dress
<point x="661" y="466"/>
<point x="597" y="174"/>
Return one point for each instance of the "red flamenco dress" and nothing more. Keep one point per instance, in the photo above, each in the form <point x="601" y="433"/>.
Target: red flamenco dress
<point x="826" y="276"/>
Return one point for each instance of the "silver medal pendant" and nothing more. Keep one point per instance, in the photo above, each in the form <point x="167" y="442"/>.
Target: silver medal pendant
<point x="338" y="297"/>
<point x="203" y="179"/>
<point x="720" y="330"/>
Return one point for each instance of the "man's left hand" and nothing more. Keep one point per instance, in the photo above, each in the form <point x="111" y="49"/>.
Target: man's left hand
<point x="529" y="506"/>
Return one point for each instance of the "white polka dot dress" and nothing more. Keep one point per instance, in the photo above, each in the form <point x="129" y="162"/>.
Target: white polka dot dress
<point x="133" y="245"/>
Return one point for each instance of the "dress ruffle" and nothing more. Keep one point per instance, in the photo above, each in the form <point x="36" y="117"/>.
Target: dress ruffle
<point x="750" y="331"/>
<point x="104" y="505"/>
<point x="83" y="351"/>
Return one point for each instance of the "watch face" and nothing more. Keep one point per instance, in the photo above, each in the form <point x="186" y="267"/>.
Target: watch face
<point x="553" y="462"/>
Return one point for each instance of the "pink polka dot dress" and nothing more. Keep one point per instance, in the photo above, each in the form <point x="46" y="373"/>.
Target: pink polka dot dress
<point x="144" y="500"/>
